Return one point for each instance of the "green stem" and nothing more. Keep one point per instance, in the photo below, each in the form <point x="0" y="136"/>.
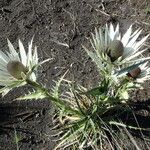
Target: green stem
<point x="59" y="103"/>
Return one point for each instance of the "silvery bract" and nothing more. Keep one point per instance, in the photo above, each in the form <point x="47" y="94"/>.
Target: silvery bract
<point x="114" y="52"/>
<point x="15" y="66"/>
<point x="102" y="40"/>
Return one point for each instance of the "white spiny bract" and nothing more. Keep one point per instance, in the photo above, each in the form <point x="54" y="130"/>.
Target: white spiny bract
<point x="101" y="41"/>
<point x="106" y="42"/>
<point x="27" y="60"/>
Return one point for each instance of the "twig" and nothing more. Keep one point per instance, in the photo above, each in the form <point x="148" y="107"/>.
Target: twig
<point x="102" y="12"/>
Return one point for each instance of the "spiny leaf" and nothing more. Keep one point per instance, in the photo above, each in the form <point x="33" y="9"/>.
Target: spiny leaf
<point x="126" y="126"/>
<point x="94" y="57"/>
<point x="33" y="95"/>
<point x="124" y="71"/>
<point x="57" y="86"/>
<point x="4" y="90"/>
<point x="14" y="84"/>
<point x="71" y="136"/>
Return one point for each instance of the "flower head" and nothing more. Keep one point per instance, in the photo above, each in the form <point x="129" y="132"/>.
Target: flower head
<point x="115" y="53"/>
<point x="119" y="49"/>
<point x="141" y="73"/>
<point x="15" y="67"/>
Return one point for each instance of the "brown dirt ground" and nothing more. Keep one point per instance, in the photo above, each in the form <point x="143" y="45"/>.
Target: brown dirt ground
<point x="53" y="22"/>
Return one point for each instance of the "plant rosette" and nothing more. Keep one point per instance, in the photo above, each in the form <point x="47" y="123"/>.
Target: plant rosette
<point x="96" y="114"/>
<point x="122" y="68"/>
<point x="95" y="118"/>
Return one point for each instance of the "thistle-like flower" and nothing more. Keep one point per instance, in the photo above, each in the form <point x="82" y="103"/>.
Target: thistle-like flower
<point x="15" y="67"/>
<point x="110" y="45"/>
<point x="113" y="52"/>
<point x="141" y="73"/>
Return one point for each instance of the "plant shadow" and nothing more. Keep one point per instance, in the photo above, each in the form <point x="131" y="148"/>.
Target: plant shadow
<point x="17" y="113"/>
<point x="139" y="118"/>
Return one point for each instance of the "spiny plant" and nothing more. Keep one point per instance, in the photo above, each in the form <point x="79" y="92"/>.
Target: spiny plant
<point x="122" y="68"/>
<point x="85" y="117"/>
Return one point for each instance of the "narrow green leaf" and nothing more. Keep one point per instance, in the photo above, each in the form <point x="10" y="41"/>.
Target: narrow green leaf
<point x="95" y="91"/>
